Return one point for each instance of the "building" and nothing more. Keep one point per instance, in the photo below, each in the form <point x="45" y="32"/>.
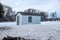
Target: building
<point x="27" y="18"/>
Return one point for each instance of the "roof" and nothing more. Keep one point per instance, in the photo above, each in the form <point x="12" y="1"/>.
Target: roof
<point x="26" y="13"/>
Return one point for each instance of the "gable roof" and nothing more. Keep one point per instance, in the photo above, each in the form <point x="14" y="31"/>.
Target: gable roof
<point x="26" y="13"/>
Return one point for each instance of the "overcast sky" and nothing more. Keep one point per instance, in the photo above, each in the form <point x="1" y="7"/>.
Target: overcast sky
<point x="43" y="5"/>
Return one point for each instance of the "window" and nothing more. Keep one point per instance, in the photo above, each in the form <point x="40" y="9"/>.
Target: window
<point x="29" y="19"/>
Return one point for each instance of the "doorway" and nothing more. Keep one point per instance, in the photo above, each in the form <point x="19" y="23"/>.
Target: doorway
<point x="17" y="20"/>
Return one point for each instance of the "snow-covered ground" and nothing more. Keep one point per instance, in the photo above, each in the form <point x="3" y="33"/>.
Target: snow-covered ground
<point x="42" y="31"/>
<point x="7" y="24"/>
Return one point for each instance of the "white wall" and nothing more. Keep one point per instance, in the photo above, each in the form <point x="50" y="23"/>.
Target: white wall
<point x="24" y="19"/>
<point x="20" y="18"/>
<point x="35" y="19"/>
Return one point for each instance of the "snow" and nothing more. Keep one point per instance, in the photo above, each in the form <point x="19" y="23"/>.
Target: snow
<point x="7" y="24"/>
<point x="41" y="31"/>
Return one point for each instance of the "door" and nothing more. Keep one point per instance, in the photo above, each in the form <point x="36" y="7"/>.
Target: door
<point x="18" y="20"/>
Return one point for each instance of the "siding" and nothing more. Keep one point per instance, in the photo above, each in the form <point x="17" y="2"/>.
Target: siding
<point x="24" y="19"/>
<point x="35" y="19"/>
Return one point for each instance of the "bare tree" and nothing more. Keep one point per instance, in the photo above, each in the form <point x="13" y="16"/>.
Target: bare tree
<point x="44" y="15"/>
<point x="30" y="10"/>
<point x="53" y="15"/>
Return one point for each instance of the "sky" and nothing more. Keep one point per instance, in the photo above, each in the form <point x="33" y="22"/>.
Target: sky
<point x="42" y="5"/>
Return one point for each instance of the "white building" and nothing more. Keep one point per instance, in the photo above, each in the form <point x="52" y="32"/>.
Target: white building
<point x="27" y="18"/>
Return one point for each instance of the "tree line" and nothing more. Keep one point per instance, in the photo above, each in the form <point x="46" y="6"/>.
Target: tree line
<point x="43" y="14"/>
<point x="6" y="17"/>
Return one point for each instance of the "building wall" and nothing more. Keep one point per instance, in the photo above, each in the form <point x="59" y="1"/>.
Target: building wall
<point x="24" y="19"/>
<point x="20" y="19"/>
<point x="35" y="19"/>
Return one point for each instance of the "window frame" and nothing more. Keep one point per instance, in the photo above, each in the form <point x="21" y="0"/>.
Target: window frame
<point x="29" y="19"/>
